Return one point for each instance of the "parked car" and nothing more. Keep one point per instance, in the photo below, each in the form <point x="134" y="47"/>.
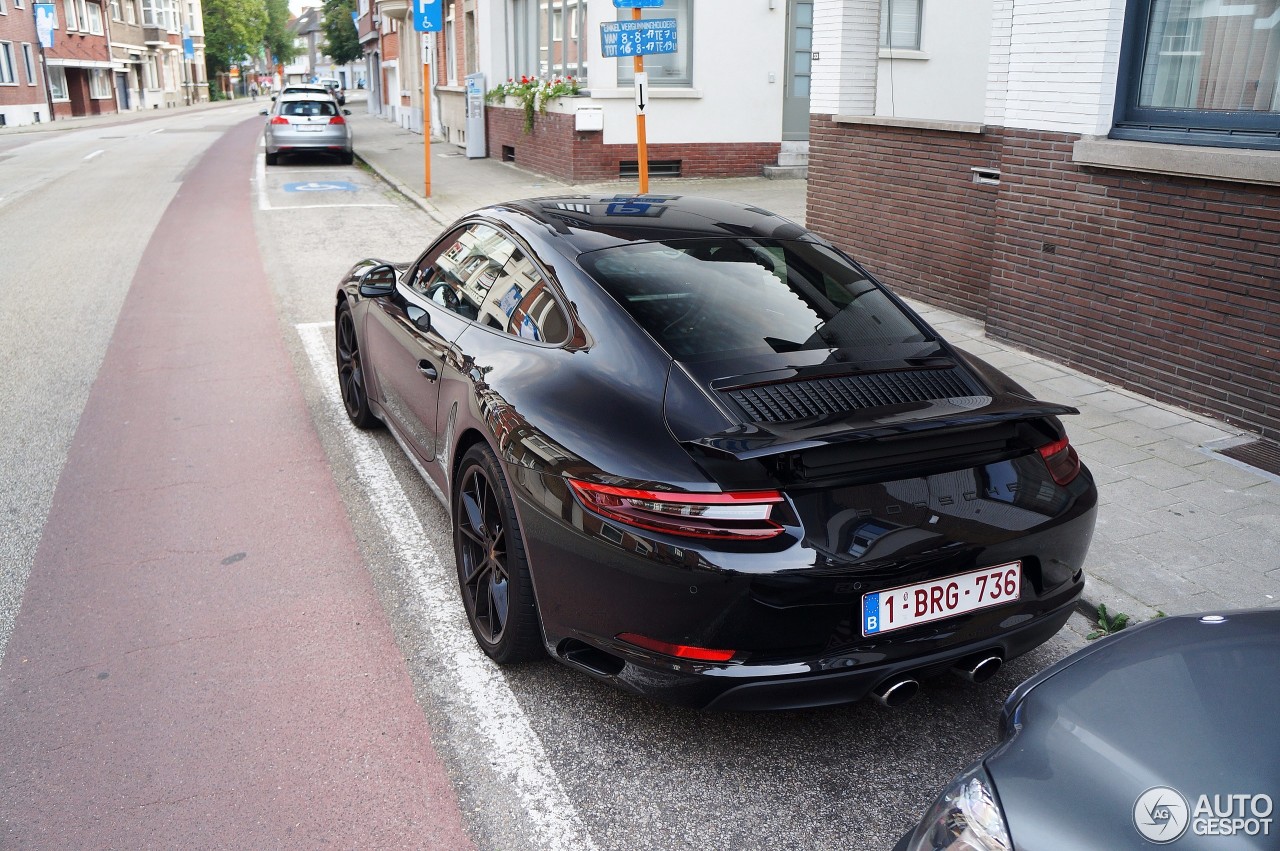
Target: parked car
<point x="1160" y="733"/>
<point x="334" y="85"/>
<point x="307" y="122"/>
<point x="696" y="451"/>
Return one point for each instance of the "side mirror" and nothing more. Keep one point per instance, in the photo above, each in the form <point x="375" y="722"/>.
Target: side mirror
<point x="262" y="112"/>
<point x="378" y="282"/>
<point x="273" y="97"/>
<point x="344" y="112"/>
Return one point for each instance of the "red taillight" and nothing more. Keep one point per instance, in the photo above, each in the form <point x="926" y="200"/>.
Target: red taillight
<point x="680" y="651"/>
<point x="1061" y="459"/>
<point x="279" y="119"/>
<point x="337" y="119"/>
<point x="739" y="515"/>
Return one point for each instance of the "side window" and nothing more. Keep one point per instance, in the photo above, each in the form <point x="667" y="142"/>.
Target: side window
<point x="538" y="317"/>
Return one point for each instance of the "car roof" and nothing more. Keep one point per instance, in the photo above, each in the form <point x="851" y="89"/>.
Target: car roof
<point x="305" y="95"/>
<point x="582" y="223"/>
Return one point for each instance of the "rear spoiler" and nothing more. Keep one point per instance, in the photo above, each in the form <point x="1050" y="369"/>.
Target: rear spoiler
<point x="761" y="440"/>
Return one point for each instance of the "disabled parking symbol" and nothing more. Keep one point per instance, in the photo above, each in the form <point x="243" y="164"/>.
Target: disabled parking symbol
<point x="321" y="186"/>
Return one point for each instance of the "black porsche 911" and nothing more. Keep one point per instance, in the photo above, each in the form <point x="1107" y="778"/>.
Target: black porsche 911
<point x="697" y="452"/>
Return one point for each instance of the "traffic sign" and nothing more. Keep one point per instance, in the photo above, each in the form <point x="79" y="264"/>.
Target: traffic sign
<point x="638" y="38"/>
<point x="428" y="16"/>
<point x="642" y="91"/>
<point x="636" y="4"/>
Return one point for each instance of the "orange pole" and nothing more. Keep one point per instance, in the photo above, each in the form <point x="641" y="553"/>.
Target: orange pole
<point x="642" y="143"/>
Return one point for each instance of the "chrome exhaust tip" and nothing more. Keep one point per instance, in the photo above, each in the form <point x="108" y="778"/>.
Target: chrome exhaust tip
<point x="979" y="669"/>
<point x="895" y="693"/>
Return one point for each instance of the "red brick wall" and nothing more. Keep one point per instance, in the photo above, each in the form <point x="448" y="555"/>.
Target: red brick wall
<point x="556" y="149"/>
<point x="1169" y="286"/>
<point x="903" y="202"/>
<point x="77" y="44"/>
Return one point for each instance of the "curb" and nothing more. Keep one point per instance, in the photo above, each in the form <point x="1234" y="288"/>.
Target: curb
<point x="423" y="204"/>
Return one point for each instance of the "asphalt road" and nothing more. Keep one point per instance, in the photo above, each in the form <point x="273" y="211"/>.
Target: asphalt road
<point x="539" y="756"/>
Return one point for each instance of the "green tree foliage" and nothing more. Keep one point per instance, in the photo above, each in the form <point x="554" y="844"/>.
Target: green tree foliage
<point x="233" y="30"/>
<point x="279" y="40"/>
<point x="341" y="41"/>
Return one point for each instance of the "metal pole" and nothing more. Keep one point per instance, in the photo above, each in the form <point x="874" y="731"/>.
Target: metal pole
<point x="426" y="113"/>
<point x="642" y="143"/>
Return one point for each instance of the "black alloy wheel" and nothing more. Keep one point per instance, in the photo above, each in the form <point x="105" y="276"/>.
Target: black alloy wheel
<point x="493" y="572"/>
<point x="355" y="397"/>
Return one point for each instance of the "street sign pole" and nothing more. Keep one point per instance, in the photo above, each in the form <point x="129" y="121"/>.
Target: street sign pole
<point x="642" y="143"/>
<point x="427" y="19"/>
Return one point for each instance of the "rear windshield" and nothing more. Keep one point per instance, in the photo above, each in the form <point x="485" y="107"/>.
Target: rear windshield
<point x="706" y="298"/>
<point x="308" y="107"/>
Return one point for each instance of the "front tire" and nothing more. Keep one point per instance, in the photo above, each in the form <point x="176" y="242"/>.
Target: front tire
<point x="493" y="570"/>
<point x="351" y="374"/>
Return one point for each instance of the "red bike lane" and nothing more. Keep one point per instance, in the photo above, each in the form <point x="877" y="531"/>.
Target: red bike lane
<point x="201" y="659"/>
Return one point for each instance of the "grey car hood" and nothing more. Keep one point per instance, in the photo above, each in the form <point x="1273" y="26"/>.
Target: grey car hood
<point x="1177" y="702"/>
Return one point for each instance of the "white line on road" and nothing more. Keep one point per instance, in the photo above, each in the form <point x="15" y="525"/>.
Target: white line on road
<point x="94" y="155"/>
<point x="516" y="749"/>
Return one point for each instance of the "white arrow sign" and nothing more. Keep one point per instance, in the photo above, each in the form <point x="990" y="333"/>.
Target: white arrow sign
<point x="642" y="92"/>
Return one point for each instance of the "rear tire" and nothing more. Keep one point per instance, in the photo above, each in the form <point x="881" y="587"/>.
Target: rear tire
<point x="351" y="374"/>
<point x="493" y="570"/>
<point x="348" y="158"/>
<point x="272" y="159"/>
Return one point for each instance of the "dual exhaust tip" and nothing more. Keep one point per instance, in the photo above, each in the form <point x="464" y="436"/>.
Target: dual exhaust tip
<point x="976" y="669"/>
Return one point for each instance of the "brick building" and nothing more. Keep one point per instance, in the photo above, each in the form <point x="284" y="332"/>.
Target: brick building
<point x="155" y="64"/>
<point x="79" y="63"/>
<point x="1097" y="180"/>
<point x="23" y="99"/>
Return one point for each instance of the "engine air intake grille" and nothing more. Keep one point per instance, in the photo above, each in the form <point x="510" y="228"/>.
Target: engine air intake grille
<point x="798" y="400"/>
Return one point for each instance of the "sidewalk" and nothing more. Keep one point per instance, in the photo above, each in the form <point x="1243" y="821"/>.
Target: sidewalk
<point x="1180" y="528"/>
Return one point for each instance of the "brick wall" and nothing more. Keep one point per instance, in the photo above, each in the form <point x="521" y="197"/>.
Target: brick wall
<point x="903" y="202"/>
<point x="1169" y="286"/>
<point x="556" y="149"/>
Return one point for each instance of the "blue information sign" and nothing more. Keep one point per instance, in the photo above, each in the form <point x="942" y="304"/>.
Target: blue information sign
<point x="428" y="16"/>
<point x="636" y="4"/>
<point x="638" y="38"/>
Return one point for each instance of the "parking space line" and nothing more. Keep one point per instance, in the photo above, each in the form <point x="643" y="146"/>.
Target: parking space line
<point x="264" y="203"/>
<point x="516" y="750"/>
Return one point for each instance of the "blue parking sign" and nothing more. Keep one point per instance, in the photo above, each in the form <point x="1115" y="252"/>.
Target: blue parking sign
<point x="428" y="16"/>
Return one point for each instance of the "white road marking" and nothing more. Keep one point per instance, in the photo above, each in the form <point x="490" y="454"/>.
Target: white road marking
<point x="517" y="750"/>
<point x="157" y="130"/>
<point x="94" y="155"/>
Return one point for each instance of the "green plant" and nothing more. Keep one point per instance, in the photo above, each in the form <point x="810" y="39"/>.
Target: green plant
<point x="1108" y="624"/>
<point x="533" y="94"/>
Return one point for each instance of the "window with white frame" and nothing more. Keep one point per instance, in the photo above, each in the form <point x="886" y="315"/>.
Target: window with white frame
<point x="547" y="38"/>
<point x="29" y="63"/>
<point x="19" y="4"/>
<point x="131" y="11"/>
<point x="58" y="82"/>
<point x="99" y="83"/>
<point x="151" y="13"/>
<point x="900" y="24"/>
<point x="1200" y="73"/>
<point x="4" y="9"/>
<point x="450" y="48"/>
<point x="8" y="73"/>
<point x="73" y="20"/>
<point x="664" y="69"/>
<point x="83" y="15"/>
<point x="94" y="18"/>
<point x="115" y="11"/>
<point x="151" y="72"/>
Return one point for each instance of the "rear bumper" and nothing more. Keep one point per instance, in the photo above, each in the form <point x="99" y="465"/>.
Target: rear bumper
<point x="793" y="616"/>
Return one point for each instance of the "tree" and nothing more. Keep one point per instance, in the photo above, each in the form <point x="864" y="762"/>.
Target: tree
<point x="279" y="40"/>
<point x="342" y="43"/>
<point x="233" y="30"/>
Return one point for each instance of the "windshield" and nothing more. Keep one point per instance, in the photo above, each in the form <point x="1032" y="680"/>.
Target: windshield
<point x="708" y="298"/>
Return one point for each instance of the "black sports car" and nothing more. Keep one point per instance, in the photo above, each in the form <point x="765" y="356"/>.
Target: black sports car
<point x="696" y="451"/>
<point x="1163" y="734"/>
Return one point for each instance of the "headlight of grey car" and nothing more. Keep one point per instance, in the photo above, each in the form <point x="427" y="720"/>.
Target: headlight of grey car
<point x="966" y="817"/>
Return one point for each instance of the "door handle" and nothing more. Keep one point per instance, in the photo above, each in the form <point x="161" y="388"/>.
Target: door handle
<point x="425" y="367"/>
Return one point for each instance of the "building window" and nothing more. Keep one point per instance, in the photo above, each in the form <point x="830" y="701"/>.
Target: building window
<point x="115" y="11"/>
<point x="664" y="69"/>
<point x="94" y="18"/>
<point x="1200" y="73"/>
<point x="58" y="82"/>
<point x="4" y="9"/>
<point x="900" y="24"/>
<point x="73" y="20"/>
<point x="547" y="38"/>
<point x="151" y="13"/>
<point x="131" y="12"/>
<point x="8" y="73"/>
<point x="152" y="72"/>
<point x="99" y="84"/>
<point x="29" y="62"/>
